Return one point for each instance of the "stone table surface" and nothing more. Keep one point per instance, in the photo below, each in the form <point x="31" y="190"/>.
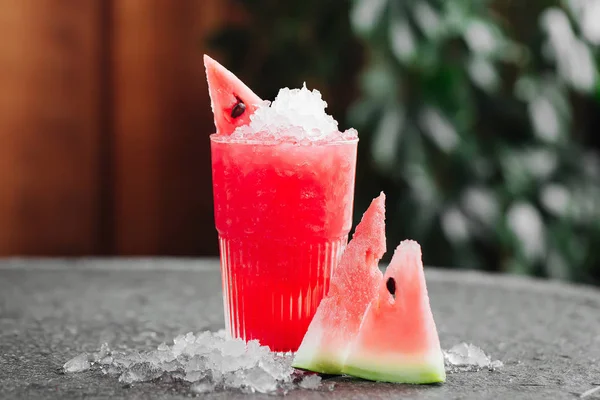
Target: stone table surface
<point x="547" y="334"/>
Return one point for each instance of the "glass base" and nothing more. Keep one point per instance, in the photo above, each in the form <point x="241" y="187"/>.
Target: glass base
<point x="272" y="288"/>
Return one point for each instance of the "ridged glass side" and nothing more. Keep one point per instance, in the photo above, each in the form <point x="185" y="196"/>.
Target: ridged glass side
<point x="271" y="288"/>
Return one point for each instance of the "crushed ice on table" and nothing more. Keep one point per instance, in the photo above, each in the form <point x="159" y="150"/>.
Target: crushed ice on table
<point x="78" y="363"/>
<point x="467" y="357"/>
<point x="296" y="114"/>
<point x="208" y="361"/>
<point x="203" y="386"/>
<point x="310" y="382"/>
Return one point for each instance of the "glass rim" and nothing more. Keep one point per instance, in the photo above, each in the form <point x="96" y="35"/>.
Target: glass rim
<point x="214" y="137"/>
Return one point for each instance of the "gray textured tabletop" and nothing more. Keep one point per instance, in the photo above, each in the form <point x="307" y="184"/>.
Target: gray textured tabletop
<point x="547" y="334"/>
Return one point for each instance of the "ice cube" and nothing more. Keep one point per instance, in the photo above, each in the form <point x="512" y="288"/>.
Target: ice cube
<point x="459" y="355"/>
<point x="125" y="360"/>
<point x="114" y="370"/>
<point x="234" y="380"/>
<point x="180" y="343"/>
<point x="278" y="366"/>
<point x="234" y="348"/>
<point x="159" y="356"/>
<point x="232" y="363"/>
<point x="478" y="357"/>
<point x="106" y="360"/>
<point x="202" y="387"/>
<point x="163" y="347"/>
<point x="255" y="351"/>
<point x="170" y="366"/>
<point x="204" y="341"/>
<point x="214" y="360"/>
<point x="194" y="376"/>
<point x="467" y="357"/>
<point x="78" y="363"/>
<point x="102" y="353"/>
<point x="196" y="363"/>
<point x="221" y="334"/>
<point x="311" y="382"/>
<point x="257" y="380"/>
<point x="141" y="372"/>
<point x="178" y="376"/>
<point x="217" y="376"/>
<point x="191" y="345"/>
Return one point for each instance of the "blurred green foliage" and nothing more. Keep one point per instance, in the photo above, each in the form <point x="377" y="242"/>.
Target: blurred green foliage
<point x="476" y="117"/>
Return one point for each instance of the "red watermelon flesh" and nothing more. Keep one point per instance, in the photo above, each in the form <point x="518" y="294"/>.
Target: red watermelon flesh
<point x="355" y="282"/>
<point x="231" y="100"/>
<point x="398" y="339"/>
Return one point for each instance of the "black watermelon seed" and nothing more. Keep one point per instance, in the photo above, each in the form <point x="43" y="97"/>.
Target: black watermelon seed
<point x="391" y="286"/>
<point x="238" y="109"/>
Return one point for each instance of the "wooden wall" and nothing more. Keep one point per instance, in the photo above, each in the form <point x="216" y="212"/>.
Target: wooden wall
<point x="104" y="123"/>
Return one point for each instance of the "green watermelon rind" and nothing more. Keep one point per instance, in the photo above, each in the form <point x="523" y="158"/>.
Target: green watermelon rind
<point x="412" y="372"/>
<point x="322" y="364"/>
<point x="330" y="334"/>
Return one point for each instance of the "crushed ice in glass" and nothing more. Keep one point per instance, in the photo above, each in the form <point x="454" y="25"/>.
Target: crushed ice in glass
<point x="208" y="361"/>
<point x="467" y="357"/>
<point x="295" y="114"/>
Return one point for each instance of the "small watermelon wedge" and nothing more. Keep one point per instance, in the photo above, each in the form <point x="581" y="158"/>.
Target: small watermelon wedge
<point x="355" y="281"/>
<point x="398" y="339"/>
<point x="231" y="100"/>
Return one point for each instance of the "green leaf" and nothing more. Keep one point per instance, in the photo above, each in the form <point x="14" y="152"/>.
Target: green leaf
<point x="439" y="129"/>
<point x="483" y="74"/>
<point x="366" y="15"/>
<point x="545" y="119"/>
<point x="574" y="61"/>
<point x="402" y="40"/>
<point x="427" y="18"/>
<point x="380" y="83"/>
<point x="528" y="228"/>
<point x="387" y="137"/>
<point x="483" y="38"/>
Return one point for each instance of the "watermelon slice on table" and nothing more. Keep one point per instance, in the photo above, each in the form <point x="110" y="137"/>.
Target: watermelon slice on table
<point x="374" y="326"/>
<point x="231" y="100"/>
<point x="355" y="281"/>
<point x="398" y="339"/>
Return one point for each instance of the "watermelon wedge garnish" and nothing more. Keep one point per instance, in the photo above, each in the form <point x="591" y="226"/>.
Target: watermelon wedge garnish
<point x="231" y="100"/>
<point x="398" y="339"/>
<point x="374" y="326"/>
<point x="355" y="281"/>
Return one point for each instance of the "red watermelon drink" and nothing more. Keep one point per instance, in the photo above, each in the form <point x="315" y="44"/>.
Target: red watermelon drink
<point x="283" y="186"/>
